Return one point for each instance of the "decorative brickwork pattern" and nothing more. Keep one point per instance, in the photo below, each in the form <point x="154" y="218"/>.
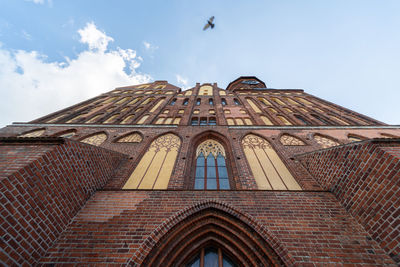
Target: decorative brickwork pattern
<point x="43" y="185"/>
<point x="288" y="140"/>
<point x="365" y="178"/>
<point x="324" y="141"/>
<point x="302" y="228"/>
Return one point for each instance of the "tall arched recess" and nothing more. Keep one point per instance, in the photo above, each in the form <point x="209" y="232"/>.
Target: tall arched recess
<point x="268" y="169"/>
<point x="210" y="227"/>
<point x="219" y="147"/>
<point x="155" y="168"/>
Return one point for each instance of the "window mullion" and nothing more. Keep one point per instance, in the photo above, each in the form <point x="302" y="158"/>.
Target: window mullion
<point x="216" y="172"/>
<point x="205" y="173"/>
<point x="202" y="258"/>
<point x="220" y="261"/>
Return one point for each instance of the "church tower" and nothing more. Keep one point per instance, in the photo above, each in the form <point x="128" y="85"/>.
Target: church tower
<point x="150" y="175"/>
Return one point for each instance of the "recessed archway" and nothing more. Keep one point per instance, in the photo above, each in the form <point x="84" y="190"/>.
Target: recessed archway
<point x="205" y="225"/>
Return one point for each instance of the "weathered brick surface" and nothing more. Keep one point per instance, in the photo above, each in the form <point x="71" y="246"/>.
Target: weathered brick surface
<point x="43" y="186"/>
<point x="304" y="228"/>
<point x="365" y="177"/>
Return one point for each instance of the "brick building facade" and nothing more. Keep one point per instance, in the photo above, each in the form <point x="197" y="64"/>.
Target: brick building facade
<point x="150" y="175"/>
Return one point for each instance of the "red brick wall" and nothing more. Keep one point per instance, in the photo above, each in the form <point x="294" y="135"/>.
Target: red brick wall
<point x="304" y="228"/>
<point x="365" y="177"/>
<point x="44" y="183"/>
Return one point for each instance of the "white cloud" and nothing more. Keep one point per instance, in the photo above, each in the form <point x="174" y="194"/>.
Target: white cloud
<point x="183" y="82"/>
<point x="31" y="87"/>
<point x="149" y="47"/>
<point x="97" y="40"/>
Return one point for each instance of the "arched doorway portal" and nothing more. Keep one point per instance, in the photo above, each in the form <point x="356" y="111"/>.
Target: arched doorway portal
<point x="216" y="233"/>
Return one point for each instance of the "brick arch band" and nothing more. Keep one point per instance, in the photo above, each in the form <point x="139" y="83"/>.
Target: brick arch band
<point x="211" y="223"/>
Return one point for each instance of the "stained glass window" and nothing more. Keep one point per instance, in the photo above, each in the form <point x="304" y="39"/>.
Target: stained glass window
<point x="211" y="170"/>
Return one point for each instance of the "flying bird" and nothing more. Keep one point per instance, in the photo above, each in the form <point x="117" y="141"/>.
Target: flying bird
<point x="209" y="23"/>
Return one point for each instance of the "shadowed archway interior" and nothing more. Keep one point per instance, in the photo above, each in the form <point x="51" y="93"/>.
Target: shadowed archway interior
<point x="212" y="227"/>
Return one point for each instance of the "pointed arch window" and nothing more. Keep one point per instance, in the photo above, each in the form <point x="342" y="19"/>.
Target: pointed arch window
<point x="211" y="171"/>
<point x="211" y="256"/>
<point x="320" y="119"/>
<point x="212" y="121"/>
<point x="237" y="103"/>
<point x="155" y="168"/>
<point x="195" y="121"/>
<point x="223" y="101"/>
<point x="173" y="102"/>
<point x="211" y="102"/>
<point x="268" y="169"/>
<point x="185" y="102"/>
<point x="303" y="120"/>
<point x="203" y="121"/>
<point x="198" y="102"/>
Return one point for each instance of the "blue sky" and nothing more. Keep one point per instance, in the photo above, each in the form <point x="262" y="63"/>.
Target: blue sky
<point x="56" y="53"/>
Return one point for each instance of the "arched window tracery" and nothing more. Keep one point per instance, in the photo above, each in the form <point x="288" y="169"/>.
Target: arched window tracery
<point x="96" y="139"/>
<point x="289" y="140"/>
<point x="155" y="168"/>
<point x="325" y="141"/>
<point x="268" y="169"/>
<point x="211" y="171"/>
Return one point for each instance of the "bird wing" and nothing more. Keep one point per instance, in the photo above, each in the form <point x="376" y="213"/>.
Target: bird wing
<point x="206" y="27"/>
<point x="211" y="19"/>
